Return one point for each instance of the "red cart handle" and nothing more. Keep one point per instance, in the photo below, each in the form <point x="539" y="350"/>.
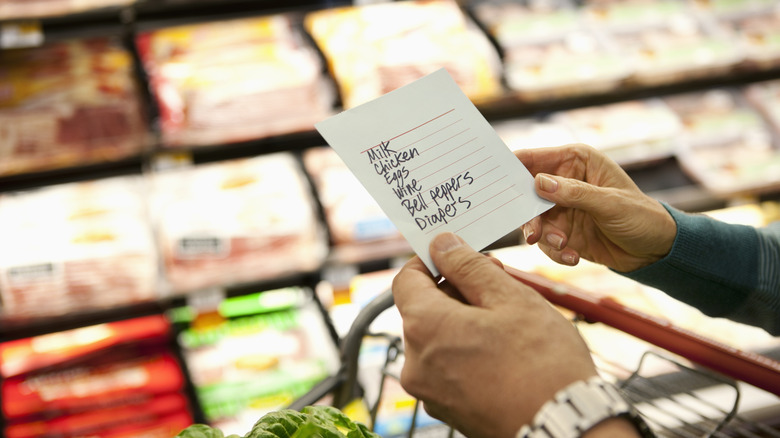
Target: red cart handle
<point x="755" y="369"/>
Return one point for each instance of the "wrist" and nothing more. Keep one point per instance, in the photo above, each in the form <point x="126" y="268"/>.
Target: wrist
<point x="586" y="408"/>
<point x="613" y="427"/>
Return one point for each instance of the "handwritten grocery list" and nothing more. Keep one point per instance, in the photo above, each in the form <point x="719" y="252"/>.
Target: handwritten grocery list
<point x="434" y="164"/>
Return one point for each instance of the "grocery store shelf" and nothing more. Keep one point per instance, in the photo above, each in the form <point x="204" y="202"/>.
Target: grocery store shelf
<point x="26" y="326"/>
<point x="509" y="105"/>
<point x="23" y="327"/>
<point x="24" y="181"/>
<point x="181" y="11"/>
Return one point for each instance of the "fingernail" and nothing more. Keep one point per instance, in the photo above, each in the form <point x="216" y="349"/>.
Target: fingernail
<point x="569" y="259"/>
<point x="446" y="241"/>
<point x="548" y="184"/>
<point x="555" y="241"/>
<point x="527" y="232"/>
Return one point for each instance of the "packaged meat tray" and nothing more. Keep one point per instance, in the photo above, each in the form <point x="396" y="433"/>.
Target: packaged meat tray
<point x="236" y="221"/>
<point x="353" y="216"/>
<point x="732" y="8"/>
<point x="549" y="51"/>
<point x="759" y="34"/>
<point x="630" y="132"/>
<point x="22" y="356"/>
<point x="76" y="247"/>
<point x="726" y="144"/>
<point x="632" y="14"/>
<point x="533" y="133"/>
<point x="377" y="48"/>
<point x="15" y="9"/>
<point x="67" y="104"/>
<point x="521" y="22"/>
<point x="765" y="96"/>
<point x="111" y="379"/>
<point x="572" y="64"/>
<point x="229" y="81"/>
<point x="256" y="354"/>
<point x="678" y="49"/>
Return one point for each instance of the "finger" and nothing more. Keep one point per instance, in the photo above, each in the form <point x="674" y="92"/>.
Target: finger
<point x="478" y="279"/>
<point x="532" y="230"/>
<point x="568" y="192"/>
<point x="565" y="256"/>
<point x="451" y="291"/>
<point x="407" y="284"/>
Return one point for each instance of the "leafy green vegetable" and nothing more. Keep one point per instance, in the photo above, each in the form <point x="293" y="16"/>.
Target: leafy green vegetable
<point x="313" y="422"/>
<point x="202" y="431"/>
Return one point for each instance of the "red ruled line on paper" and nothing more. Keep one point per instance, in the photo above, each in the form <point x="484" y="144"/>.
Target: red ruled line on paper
<point x="406" y="132"/>
<point x="459" y="159"/>
<point x="483" y="188"/>
<point x="480" y="176"/>
<point x="473" y="208"/>
<point x="434" y="133"/>
<point x="464" y="171"/>
<point x="449" y="151"/>
<point x="491" y="211"/>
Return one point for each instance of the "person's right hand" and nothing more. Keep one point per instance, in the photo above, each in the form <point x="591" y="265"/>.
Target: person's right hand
<point x="600" y="214"/>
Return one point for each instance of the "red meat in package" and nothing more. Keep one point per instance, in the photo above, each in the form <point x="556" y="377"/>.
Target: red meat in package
<point x="236" y="221"/>
<point x="84" y="387"/>
<point x="167" y="412"/>
<point x="75" y="247"/>
<point x="235" y="80"/>
<point x="55" y="349"/>
<point x="67" y="104"/>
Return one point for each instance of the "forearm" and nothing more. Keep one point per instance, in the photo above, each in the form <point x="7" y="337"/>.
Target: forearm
<point x="721" y="269"/>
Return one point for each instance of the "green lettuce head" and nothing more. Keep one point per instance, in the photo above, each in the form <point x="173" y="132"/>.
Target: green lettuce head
<point x="312" y="422"/>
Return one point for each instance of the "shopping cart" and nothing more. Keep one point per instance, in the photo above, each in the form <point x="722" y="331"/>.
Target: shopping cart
<point x="678" y="403"/>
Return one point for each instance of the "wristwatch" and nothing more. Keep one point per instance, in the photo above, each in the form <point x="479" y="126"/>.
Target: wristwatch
<point x="580" y="406"/>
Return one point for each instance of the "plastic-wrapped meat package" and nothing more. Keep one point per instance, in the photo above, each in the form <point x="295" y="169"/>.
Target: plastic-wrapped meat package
<point x="14" y="9"/>
<point x="631" y="132"/>
<point x="727" y="145"/>
<point x="75" y="247"/>
<point x="236" y="221"/>
<point x="533" y="133"/>
<point x="67" y="104"/>
<point x="237" y="80"/>
<point x="732" y="8"/>
<point x="374" y="49"/>
<point x="571" y="64"/>
<point x="631" y="14"/>
<point x="681" y="48"/>
<point x="117" y="379"/>
<point x="759" y="33"/>
<point x="513" y="22"/>
<point x="352" y="214"/>
<point x="765" y="96"/>
<point x="549" y="51"/>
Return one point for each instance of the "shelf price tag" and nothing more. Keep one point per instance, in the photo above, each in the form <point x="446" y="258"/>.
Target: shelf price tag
<point x="21" y="34"/>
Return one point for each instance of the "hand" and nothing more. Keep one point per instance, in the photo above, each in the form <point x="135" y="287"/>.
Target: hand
<point x="483" y="351"/>
<point x="600" y="214"/>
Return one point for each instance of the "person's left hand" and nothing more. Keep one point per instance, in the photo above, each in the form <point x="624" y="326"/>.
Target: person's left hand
<point x="483" y="351"/>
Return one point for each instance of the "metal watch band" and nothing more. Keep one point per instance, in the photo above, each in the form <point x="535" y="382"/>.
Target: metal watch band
<point x="578" y="407"/>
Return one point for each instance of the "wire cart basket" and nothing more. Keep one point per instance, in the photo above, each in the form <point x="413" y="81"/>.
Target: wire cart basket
<point x="699" y="400"/>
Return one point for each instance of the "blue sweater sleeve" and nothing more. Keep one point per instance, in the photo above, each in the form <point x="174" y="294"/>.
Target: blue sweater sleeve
<point x="724" y="270"/>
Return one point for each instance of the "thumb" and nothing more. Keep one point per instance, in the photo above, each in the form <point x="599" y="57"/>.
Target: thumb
<point x="568" y="192"/>
<point x="479" y="280"/>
